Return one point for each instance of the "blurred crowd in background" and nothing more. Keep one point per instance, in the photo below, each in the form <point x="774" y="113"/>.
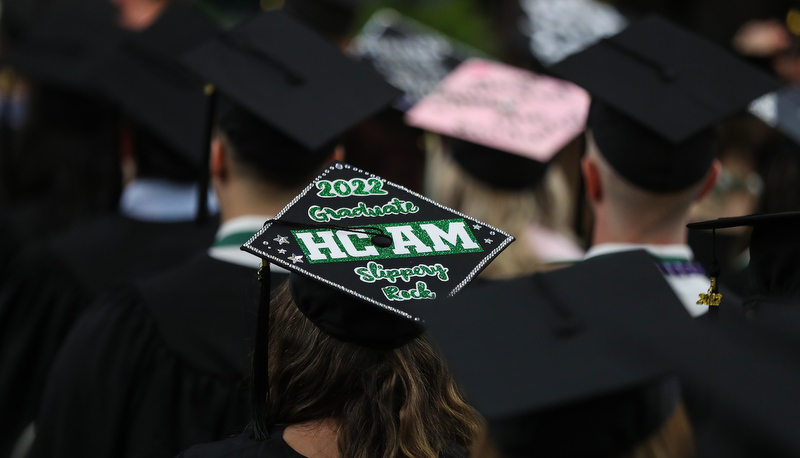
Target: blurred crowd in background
<point x="70" y="144"/>
<point x="56" y="169"/>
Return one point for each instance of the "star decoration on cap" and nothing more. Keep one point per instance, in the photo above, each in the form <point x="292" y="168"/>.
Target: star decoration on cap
<point x="488" y="240"/>
<point x="282" y="251"/>
<point x="477" y="227"/>
<point x="281" y="239"/>
<point x="296" y="258"/>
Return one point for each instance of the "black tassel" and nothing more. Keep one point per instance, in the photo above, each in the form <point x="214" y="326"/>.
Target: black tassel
<point x="260" y="391"/>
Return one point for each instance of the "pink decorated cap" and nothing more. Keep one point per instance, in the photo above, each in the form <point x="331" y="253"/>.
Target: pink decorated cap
<point x="505" y="108"/>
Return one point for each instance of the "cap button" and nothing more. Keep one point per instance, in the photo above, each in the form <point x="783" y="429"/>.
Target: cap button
<point x="382" y="241"/>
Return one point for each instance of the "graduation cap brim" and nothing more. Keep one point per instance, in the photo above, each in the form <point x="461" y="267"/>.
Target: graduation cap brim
<point x="669" y="80"/>
<point x="146" y="79"/>
<point x="291" y="78"/>
<point x="747" y="220"/>
<point x="509" y="344"/>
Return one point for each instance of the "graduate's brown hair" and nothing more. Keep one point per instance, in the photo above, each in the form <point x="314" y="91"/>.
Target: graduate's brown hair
<point x="388" y="403"/>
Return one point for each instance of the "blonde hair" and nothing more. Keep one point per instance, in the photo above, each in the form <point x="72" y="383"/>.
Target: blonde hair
<point x="513" y="211"/>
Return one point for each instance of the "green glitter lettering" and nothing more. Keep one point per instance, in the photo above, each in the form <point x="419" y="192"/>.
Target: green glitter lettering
<point x="393" y="207"/>
<point x="374" y="271"/>
<point x="393" y="293"/>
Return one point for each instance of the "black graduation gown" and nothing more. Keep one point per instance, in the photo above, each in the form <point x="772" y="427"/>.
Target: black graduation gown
<point x="50" y="284"/>
<point x="244" y="446"/>
<point x="155" y="368"/>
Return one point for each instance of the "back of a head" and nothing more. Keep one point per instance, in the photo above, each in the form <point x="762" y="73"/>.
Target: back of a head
<point x="155" y="158"/>
<point x="398" y="402"/>
<point x="508" y="191"/>
<point x="271" y="155"/>
<point x="648" y="183"/>
<point x="648" y="160"/>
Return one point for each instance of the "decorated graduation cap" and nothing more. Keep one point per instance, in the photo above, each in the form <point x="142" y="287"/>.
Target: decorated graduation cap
<point x="780" y="110"/>
<point x="541" y="342"/>
<point x="361" y="250"/>
<point x="496" y="112"/>
<point x="147" y="80"/>
<point x="410" y="56"/>
<point x="658" y="91"/>
<point x="560" y="28"/>
<point x="66" y="43"/>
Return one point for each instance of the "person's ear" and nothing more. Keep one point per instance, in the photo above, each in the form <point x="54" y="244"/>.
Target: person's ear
<point x="592" y="180"/>
<point x="127" y="156"/>
<point x="338" y="153"/>
<point x="710" y="181"/>
<point x="219" y="161"/>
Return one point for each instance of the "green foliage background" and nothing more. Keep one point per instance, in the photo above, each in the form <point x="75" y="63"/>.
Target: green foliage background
<point x="459" y="19"/>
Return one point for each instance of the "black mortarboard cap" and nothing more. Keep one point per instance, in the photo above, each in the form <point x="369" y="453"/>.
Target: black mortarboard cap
<point x="291" y="78"/>
<point x="331" y="235"/>
<point x="360" y="250"/>
<point x="598" y="328"/>
<point x="748" y="377"/>
<point x="546" y="343"/>
<point x="149" y="82"/>
<point x="672" y="86"/>
<point x="666" y="78"/>
<point x="65" y="44"/>
<point x="781" y="110"/>
<point x="543" y="340"/>
<point x="411" y="56"/>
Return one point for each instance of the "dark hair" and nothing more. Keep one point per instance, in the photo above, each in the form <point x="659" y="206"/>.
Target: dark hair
<point x="155" y="158"/>
<point x="260" y="147"/>
<point x="390" y="403"/>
